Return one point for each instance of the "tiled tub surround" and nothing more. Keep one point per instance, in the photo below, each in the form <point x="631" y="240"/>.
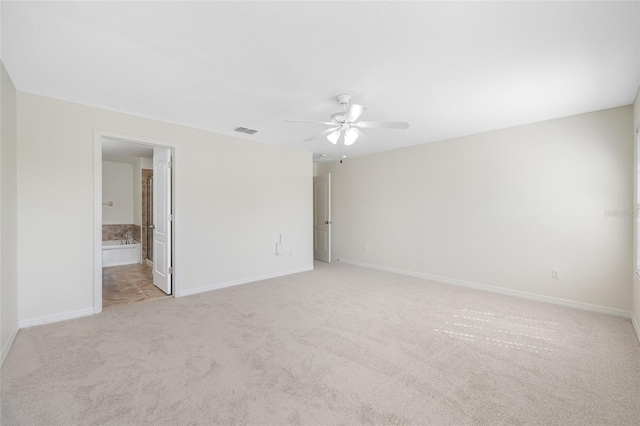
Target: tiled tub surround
<point x="116" y="232"/>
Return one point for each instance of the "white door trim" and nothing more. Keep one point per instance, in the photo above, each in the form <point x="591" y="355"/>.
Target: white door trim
<point x="98" y="137"/>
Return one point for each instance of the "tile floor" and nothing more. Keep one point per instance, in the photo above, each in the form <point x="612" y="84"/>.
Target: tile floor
<point x="127" y="284"/>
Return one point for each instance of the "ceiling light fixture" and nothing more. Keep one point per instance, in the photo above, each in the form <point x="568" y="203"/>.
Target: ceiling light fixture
<point x="333" y="137"/>
<point x="350" y="136"/>
<point x="347" y="124"/>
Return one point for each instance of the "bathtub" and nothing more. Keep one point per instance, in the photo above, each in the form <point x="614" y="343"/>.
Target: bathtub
<point x="116" y="253"/>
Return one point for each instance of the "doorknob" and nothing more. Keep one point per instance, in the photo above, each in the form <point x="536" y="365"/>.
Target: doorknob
<point x="152" y="227"/>
<point x="327" y="222"/>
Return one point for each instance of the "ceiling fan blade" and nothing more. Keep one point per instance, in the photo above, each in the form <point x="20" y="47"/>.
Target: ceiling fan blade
<point x="328" y="123"/>
<point x="316" y="136"/>
<point x="354" y="111"/>
<point x="359" y="132"/>
<point x="382" y="124"/>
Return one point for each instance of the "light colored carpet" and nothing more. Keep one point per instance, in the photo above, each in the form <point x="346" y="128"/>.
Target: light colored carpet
<point x="337" y="345"/>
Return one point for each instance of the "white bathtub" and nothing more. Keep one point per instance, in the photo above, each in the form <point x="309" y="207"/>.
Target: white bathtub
<point x="116" y="253"/>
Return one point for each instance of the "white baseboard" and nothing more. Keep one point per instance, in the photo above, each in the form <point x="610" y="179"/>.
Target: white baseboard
<point x="494" y="289"/>
<point x="191" y="291"/>
<point x="56" y="318"/>
<point x="636" y="326"/>
<point x="7" y="346"/>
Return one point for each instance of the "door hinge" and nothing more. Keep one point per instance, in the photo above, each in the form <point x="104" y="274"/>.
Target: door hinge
<point x="170" y="164"/>
<point x="170" y="217"/>
<point x="170" y="271"/>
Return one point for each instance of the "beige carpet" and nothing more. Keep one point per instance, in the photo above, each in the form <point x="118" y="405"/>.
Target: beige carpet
<point x="338" y="345"/>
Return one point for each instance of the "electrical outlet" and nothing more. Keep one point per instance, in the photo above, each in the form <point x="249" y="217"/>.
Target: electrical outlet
<point x="365" y="249"/>
<point x="555" y="274"/>
<point x="279" y="249"/>
<point x="290" y="253"/>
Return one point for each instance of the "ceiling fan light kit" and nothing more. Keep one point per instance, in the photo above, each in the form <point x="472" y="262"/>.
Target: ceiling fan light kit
<point x="334" y="136"/>
<point x="350" y="136"/>
<point x="344" y="124"/>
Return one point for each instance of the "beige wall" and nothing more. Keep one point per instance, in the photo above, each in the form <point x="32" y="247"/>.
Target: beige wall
<point x="501" y="208"/>
<point x="118" y="187"/>
<point x="233" y="199"/>
<point x="8" y="214"/>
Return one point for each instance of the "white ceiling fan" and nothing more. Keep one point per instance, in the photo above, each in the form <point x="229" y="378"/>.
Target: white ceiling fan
<point x="345" y="125"/>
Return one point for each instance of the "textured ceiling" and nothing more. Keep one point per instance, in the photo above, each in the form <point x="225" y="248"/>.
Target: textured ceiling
<point x="448" y="68"/>
<point x="125" y="152"/>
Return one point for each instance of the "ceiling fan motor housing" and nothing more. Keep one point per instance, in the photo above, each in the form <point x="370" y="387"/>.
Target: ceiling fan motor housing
<point x="337" y="117"/>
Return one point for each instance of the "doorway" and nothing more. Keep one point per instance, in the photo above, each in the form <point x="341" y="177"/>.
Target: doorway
<point x="147" y="216"/>
<point x="134" y="202"/>
<point x="322" y="217"/>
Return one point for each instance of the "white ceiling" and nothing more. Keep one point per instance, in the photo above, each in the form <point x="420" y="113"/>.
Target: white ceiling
<point x="448" y="68"/>
<point x="125" y="152"/>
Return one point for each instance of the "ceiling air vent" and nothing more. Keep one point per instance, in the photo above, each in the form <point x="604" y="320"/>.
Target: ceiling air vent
<point x="245" y="130"/>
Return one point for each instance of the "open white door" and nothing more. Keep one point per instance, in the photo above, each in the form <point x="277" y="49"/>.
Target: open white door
<point x="322" y="217"/>
<point x="162" y="219"/>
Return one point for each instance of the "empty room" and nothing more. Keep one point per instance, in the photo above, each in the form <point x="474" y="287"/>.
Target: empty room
<point x="319" y="213"/>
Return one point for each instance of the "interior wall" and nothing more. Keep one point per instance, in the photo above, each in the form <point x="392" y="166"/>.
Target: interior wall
<point x="8" y="214"/>
<point x="501" y="208"/>
<point x="118" y="187"/>
<point x="233" y="198"/>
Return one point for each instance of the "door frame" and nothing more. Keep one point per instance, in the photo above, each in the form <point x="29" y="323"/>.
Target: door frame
<point x="98" y="137"/>
<point x="328" y="215"/>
